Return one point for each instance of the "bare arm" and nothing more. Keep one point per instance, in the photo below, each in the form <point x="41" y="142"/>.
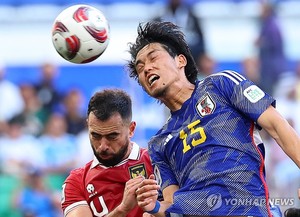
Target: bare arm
<point x="129" y="198"/>
<point x="85" y="211"/>
<point x="128" y="202"/>
<point x="80" y="211"/>
<point x="147" y="196"/>
<point x="282" y="132"/>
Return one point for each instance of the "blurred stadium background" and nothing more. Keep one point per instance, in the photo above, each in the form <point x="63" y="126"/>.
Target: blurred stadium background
<point x="230" y="28"/>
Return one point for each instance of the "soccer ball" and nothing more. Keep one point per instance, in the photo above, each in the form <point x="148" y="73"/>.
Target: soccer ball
<point x="80" y="33"/>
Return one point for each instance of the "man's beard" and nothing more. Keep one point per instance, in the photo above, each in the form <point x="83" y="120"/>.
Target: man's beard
<point x="117" y="158"/>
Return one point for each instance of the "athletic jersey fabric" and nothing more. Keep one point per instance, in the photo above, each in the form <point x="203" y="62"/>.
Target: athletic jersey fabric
<point x="101" y="188"/>
<point x="212" y="150"/>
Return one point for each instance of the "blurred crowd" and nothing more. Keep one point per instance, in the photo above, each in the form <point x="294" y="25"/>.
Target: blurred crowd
<point x="41" y="134"/>
<point x="43" y="131"/>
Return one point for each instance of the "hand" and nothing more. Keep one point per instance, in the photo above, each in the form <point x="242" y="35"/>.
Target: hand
<point x="147" y="193"/>
<point x="129" y="197"/>
<point x="147" y="215"/>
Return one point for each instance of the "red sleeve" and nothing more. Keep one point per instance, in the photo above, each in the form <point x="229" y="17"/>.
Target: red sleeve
<point x="73" y="192"/>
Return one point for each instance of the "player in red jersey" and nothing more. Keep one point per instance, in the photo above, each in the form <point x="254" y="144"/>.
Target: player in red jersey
<point x="106" y="185"/>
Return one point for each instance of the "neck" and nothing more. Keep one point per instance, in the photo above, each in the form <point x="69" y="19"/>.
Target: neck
<point x="178" y="95"/>
<point x="130" y="145"/>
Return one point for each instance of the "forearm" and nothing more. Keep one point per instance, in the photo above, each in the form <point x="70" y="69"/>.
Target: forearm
<point x="129" y="198"/>
<point x="119" y="211"/>
<point x="168" y="193"/>
<point x="283" y="133"/>
<point x="289" y="141"/>
<point x="162" y="209"/>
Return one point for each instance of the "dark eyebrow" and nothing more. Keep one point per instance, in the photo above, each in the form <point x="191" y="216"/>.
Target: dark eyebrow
<point x="109" y="134"/>
<point x="138" y="62"/>
<point x="148" y="54"/>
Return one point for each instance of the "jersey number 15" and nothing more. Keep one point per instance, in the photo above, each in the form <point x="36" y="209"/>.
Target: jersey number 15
<point x="192" y="130"/>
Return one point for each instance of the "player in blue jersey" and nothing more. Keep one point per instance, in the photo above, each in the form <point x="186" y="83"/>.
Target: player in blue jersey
<point x="208" y="157"/>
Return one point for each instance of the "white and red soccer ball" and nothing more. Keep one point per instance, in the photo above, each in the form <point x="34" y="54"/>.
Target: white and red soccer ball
<point x="80" y="33"/>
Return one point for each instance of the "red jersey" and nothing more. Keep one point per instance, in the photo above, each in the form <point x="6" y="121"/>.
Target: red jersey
<point x="101" y="188"/>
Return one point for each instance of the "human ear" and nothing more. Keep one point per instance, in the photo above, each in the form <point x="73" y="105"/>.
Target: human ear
<point x="181" y="60"/>
<point x="132" y="128"/>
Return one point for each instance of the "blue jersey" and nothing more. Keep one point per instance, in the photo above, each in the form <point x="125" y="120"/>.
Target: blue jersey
<point x="212" y="150"/>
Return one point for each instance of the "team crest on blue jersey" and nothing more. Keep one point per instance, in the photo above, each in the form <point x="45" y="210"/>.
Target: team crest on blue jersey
<point x="206" y="105"/>
<point x="137" y="170"/>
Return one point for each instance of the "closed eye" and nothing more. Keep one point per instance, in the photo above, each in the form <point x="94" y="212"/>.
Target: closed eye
<point x="140" y="68"/>
<point x="95" y="135"/>
<point x="112" y="136"/>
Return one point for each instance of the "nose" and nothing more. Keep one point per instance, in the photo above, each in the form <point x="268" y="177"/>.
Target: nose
<point x="103" y="145"/>
<point x="148" y="67"/>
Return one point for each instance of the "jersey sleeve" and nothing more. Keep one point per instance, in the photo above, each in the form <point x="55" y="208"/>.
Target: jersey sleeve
<point x="73" y="192"/>
<point x="243" y="94"/>
<point x="161" y="167"/>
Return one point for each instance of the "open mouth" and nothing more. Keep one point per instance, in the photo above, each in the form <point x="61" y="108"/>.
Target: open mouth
<point x="152" y="79"/>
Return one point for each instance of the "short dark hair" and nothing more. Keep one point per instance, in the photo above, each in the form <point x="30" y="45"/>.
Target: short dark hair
<point x="107" y="102"/>
<point x="173" y="40"/>
<point x="292" y="212"/>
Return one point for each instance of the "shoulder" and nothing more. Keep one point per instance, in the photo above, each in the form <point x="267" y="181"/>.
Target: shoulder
<point x="226" y="75"/>
<point x="144" y="154"/>
<point x="79" y="173"/>
<point x="136" y="148"/>
<point x="224" y="83"/>
<point x="144" y="151"/>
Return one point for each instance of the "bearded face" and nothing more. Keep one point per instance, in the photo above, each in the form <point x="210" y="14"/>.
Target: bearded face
<point x="114" y="159"/>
